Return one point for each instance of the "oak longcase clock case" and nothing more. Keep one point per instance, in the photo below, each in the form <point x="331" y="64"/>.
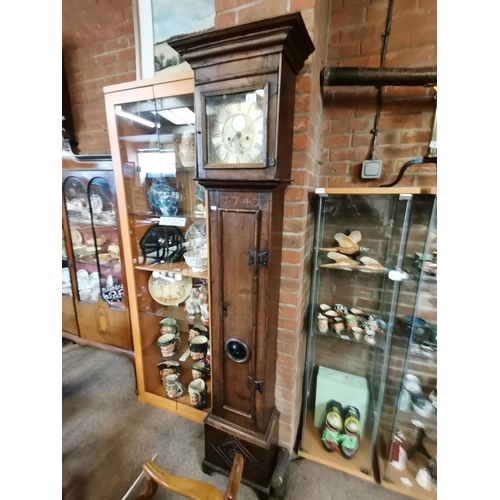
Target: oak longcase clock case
<point x="244" y="103"/>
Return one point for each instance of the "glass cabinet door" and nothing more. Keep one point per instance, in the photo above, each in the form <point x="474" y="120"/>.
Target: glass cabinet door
<point x="168" y="248"/>
<point x="66" y="277"/>
<point x="90" y="206"/>
<point x="359" y="246"/>
<point x="408" y="430"/>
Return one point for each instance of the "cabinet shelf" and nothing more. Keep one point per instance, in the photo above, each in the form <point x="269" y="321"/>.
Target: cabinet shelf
<point x="358" y="269"/>
<point x="379" y="339"/>
<point x="174" y="267"/>
<point x="156" y="218"/>
<point x="391" y="478"/>
<point x="112" y="264"/>
<point x="177" y="313"/>
<point x="181" y="355"/>
<point x="156" y="395"/>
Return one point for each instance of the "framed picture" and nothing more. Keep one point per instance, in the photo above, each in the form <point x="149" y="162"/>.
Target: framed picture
<point x="156" y="21"/>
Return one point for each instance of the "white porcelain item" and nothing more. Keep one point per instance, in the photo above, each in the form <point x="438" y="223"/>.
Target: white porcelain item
<point x="82" y="278"/>
<point x="94" y="278"/>
<point x="196" y="260"/>
<point x="425" y="409"/>
<point x="66" y="278"/>
<point x="412" y="384"/>
<point x="109" y="281"/>
<point x="423" y="478"/>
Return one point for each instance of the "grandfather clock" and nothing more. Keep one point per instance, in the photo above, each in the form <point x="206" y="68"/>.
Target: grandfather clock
<point x="244" y="104"/>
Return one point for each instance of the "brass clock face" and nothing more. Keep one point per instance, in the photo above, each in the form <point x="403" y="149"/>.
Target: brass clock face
<point x="236" y="128"/>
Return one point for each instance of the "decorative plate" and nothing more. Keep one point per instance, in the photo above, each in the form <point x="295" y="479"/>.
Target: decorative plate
<point x="196" y="233"/>
<point x="96" y="203"/>
<point x="169" y="293"/>
<point x="76" y="236"/>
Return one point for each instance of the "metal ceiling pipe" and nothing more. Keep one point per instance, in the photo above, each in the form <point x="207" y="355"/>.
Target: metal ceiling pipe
<point x="377" y="77"/>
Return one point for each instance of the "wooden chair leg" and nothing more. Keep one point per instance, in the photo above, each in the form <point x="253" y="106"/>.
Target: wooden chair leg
<point x="151" y="487"/>
<point x="233" y="486"/>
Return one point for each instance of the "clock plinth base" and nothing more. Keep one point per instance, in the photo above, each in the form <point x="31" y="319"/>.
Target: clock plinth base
<point x="265" y="462"/>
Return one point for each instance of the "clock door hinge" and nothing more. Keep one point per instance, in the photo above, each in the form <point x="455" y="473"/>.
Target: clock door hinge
<point x="262" y="258"/>
<point x="256" y="385"/>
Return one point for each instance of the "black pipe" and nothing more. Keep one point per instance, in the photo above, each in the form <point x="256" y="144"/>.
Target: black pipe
<point x="416" y="161"/>
<point x="410" y="77"/>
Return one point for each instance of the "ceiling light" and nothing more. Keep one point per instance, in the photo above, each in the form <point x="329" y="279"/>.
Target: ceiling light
<point x="125" y="114"/>
<point x="168" y="115"/>
<point x="178" y="116"/>
<point x="185" y="113"/>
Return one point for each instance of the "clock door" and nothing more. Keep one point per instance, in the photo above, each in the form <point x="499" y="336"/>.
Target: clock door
<point x="235" y="227"/>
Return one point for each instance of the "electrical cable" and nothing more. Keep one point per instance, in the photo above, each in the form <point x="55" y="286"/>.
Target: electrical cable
<point x="383" y="55"/>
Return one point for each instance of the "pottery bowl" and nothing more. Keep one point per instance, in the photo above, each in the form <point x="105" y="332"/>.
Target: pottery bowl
<point x="196" y="260"/>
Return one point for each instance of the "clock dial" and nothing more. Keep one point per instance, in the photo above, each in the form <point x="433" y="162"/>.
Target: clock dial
<point x="236" y="128"/>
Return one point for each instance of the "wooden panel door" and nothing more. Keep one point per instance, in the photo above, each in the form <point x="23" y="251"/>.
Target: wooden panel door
<point x="235" y="229"/>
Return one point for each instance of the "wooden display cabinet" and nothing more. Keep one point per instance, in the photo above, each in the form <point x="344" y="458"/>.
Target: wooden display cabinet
<point x="94" y="297"/>
<point x="151" y="129"/>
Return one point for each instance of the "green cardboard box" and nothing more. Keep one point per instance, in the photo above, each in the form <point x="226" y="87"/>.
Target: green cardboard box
<point x="345" y="388"/>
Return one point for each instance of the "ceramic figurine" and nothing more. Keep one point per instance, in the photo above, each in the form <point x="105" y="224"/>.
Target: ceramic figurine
<point x="187" y="154"/>
<point x="114" y="250"/>
<point x="322" y="323"/>
<point x="162" y="198"/>
<point x="198" y="393"/>
<point x="205" y="315"/>
<point x="169" y="368"/>
<point x="174" y="388"/>
<point x="398" y="454"/>
<point x="168" y="343"/>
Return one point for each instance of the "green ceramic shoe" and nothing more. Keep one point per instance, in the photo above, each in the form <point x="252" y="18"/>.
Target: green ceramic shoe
<point x="332" y="427"/>
<point x="350" y="439"/>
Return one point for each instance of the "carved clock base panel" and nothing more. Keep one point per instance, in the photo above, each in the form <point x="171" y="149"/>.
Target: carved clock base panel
<point x="259" y="461"/>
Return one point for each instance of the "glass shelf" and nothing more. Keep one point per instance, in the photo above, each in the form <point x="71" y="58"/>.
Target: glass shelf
<point x="174" y="267"/>
<point x="156" y="218"/>
<point x="348" y="337"/>
<point x="182" y="355"/>
<point x="358" y="269"/>
<point x="177" y="313"/>
<point x="156" y="387"/>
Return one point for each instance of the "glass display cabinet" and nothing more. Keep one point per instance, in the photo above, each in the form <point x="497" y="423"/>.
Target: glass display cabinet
<point x="408" y="431"/>
<point x="93" y="278"/>
<point x="164" y="232"/>
<point x="359" y="272"/>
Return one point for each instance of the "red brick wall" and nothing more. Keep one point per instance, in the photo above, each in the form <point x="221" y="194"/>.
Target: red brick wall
<point x="98" y="46"/>
<point x="355" y="39"/>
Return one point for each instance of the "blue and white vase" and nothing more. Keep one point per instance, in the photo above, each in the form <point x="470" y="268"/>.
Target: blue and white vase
<point x="162" y="198"/>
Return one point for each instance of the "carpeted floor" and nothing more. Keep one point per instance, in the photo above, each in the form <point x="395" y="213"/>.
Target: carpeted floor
<point x="108" y="433"/>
